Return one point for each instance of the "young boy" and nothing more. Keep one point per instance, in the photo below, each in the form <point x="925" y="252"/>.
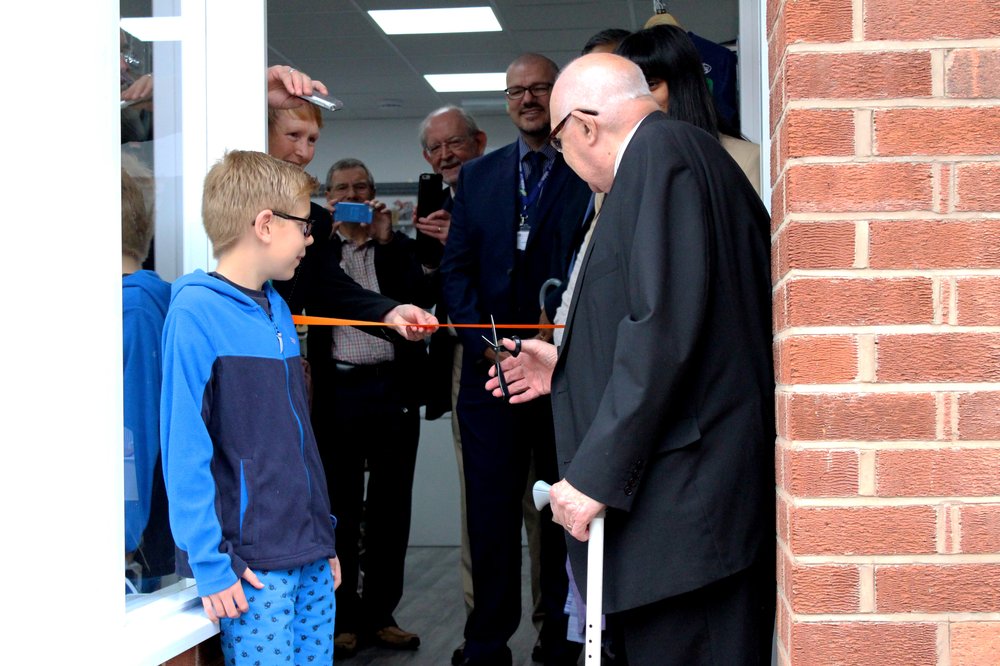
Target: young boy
<point x="149" y="551"/>
<point x="248" y="499"/>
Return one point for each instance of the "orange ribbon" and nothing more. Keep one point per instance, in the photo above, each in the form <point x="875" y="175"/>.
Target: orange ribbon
<point x="332" y="321"/>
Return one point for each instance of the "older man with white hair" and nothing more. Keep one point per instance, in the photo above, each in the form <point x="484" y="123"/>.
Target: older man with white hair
<point x="663" y="388"/>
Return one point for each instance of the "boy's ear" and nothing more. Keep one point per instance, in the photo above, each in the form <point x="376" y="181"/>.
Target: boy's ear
<point x="262" y="225"/>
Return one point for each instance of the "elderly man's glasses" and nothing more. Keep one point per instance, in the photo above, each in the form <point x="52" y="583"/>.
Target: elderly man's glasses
<point x="453" y="144"/>
<point x="554" y="139"/>
<point x="307" y="224"/>
<point x="537" y="90"/>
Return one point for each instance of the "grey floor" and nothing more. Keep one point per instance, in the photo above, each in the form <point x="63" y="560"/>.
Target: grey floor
<point x="432" y="607"/>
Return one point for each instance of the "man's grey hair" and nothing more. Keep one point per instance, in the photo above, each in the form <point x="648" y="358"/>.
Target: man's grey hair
<point x="470" y="123"/>
<point x="349" y="163"/>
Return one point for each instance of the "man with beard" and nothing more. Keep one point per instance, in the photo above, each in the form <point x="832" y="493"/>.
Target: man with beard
<point x="515" y="214"/>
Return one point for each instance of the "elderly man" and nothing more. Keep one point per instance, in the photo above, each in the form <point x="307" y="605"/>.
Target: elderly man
<point x="663" y="389"/>
<point x="449" y="137"/>
<point x="516" y="211"/>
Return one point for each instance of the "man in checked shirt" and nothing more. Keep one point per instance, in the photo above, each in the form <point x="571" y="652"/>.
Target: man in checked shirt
<point x="365" y="415"/>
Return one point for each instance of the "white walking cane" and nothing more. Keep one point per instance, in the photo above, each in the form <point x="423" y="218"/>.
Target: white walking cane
<point x="595" y="576"/>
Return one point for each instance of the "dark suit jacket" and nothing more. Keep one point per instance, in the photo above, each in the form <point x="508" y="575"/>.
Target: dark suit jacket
<point x="401" y="278"/>
<point x="324" y="290"/>
<point x="663" y="395"/>
<point x="480" y="273"/>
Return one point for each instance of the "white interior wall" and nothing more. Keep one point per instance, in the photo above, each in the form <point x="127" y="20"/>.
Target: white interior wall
<point x="390" y="148"/>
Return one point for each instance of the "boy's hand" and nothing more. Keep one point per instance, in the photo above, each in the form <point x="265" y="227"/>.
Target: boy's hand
<point x="231" y="602"/>
<point x="335" y="568"/>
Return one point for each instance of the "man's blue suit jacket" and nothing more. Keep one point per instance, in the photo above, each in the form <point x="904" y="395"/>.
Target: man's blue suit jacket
<point x="481" y="274"/>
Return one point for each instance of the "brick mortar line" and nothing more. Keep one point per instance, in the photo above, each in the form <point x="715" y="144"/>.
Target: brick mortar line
<point x="893" y="216"/>
<point x="943" y="644"/>
<point x="857" y="21"/>
<point x="889" y="103"/>
<point x="896" y="329"/>
<point x="862" y="501"/>
<point x="865" y="446"/>
<point x="868" y="274"/>
<point x="890" y="388"/>
<point x="895" y="618"/>
<point x="892" y="46"/>
<point x="932" y="160"/>
<point x="890" y="273"/>
<point x="894" y="560"/>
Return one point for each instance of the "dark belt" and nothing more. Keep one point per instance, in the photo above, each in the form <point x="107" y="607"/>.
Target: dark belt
<point x="386" y="369"/>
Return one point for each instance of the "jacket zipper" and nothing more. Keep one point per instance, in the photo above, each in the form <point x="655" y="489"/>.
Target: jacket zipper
<point x="288" y="392"/>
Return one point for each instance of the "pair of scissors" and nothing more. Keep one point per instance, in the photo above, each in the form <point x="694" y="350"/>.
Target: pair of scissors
<point x="496" y="344"/>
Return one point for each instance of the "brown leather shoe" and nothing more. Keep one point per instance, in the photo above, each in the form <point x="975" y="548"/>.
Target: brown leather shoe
<point x="395" y="638"/>
<point x="345" y="645"/>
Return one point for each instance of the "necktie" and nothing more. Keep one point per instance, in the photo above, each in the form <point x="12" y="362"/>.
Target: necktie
<point x="534" y="171"/>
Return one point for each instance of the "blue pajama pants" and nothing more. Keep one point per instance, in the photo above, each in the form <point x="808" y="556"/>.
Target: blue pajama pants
<point x="290" y="621"/>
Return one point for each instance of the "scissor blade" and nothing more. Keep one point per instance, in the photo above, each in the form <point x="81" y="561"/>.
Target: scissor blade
<point x="496" y="340"/>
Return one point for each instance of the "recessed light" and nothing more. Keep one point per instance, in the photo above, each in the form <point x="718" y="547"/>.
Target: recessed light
<point x="484" y="81"/>
<point x="435" y="21"/>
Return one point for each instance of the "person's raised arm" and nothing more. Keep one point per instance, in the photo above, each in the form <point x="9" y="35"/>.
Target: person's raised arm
<point x="285" y="84"/>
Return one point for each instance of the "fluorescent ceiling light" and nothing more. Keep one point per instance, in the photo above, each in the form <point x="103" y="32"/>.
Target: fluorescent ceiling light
<point x="435" y="21"/>
<point x="489" y="81"/>
<point x="154" y="29"/>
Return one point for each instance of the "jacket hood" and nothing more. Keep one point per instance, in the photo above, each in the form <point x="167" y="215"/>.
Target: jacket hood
<point x="200" y="278"/>
<point x="151" y="285"/>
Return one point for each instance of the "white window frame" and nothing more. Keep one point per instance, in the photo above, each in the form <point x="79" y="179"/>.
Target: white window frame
<point x="61" y="463"/>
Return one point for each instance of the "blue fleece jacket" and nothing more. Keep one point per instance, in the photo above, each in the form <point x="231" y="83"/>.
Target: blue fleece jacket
<point x="144" y="305"/>
<point x="244" y="478"/>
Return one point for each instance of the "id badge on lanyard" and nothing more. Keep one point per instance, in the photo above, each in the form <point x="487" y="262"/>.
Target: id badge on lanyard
<point x="528" y="201"/>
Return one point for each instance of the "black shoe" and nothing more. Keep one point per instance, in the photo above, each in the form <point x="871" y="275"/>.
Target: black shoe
<point x="500" y="658"/>
<point x="563" y="653"/>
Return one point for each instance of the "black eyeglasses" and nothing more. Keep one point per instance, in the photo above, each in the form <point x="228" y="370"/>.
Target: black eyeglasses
<point x="307" y="224"/>
<point x="536" y="90"/>
<point x="554" y="139"/>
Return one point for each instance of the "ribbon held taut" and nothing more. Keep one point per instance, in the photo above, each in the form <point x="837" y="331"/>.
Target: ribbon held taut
<point x="309" y="320"/>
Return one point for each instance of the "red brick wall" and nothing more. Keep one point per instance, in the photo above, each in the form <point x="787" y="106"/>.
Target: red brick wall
<point x="885" y="118"/>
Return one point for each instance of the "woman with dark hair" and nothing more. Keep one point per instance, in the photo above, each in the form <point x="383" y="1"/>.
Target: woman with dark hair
<point x="673" y="69"/>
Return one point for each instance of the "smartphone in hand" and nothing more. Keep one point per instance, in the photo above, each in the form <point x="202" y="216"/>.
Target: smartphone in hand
<point x="346" y="211"/>
<point x="430" y="198"/>
<point x="323" y="101"/>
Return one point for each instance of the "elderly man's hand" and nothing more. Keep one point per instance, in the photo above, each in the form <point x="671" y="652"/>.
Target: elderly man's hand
<point x="573" y="510"/>
<point x="435" y="225"/>
<point x="528" y="375"/>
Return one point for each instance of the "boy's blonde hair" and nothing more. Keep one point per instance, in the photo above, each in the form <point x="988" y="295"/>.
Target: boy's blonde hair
<point x="242" y="184"/>
<point x="137" y="227"/>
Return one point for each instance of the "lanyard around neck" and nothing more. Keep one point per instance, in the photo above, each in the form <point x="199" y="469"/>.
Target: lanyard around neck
<point x="529" y="199"/>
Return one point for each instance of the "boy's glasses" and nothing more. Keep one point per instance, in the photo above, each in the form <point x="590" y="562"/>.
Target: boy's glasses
<point x="307" y="224"/>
